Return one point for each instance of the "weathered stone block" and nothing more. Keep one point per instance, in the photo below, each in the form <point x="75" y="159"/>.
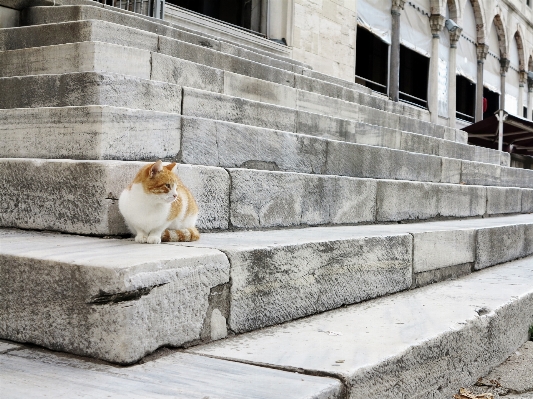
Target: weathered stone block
<point x="274" y="284"/>
<point x="323" y="126"/>
<point x="216" y="143"/>
<point x="503" y="200"/>
<point x="457" y="200"/>
<point x="81" y="197"/>
<point x="419" y="143"/>
<point x="270" y="199"/>
<point x="404" y="200"/>
<point x="451" y="170"/>
<point x="367" y="161"/>
<point x="88" y="88"/>
<point x="186" y="73"/>
<point x="123" y="300"/>
<point x="226" y="62"/>
<point x="210" y="105"/>
<point x="503" y="243"/>
<point x="92" y="132"/>
<point x="76" y="57"/>
<point x="259" y="90"/>
<point x="480" y="173"/>
<point x="433" y="249"/>
<point x="527" y="201"/>
<point x="375" y="135"/>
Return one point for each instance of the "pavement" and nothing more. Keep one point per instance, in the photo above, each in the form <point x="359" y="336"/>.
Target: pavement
<point x="513" y="379"/>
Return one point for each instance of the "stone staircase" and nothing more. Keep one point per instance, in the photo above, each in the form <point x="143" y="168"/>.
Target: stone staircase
<point x="314" y="193"/>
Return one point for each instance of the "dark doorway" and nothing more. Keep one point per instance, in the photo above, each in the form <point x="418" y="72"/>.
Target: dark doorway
<point x="525" y="113"/>
<point x="242" y="13"/>
<point x="414" y="71"/>
<point x="372" y="60"/>
<point x="466" y="99"/>
<point x="493" y="102"/>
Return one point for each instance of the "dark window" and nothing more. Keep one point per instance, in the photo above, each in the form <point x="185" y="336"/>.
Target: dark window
<point x="372" y="58"/>
<point x="466" y="99"/>
<point x="493" y="102"/>
<point x="414" y="70"/>
<point x="525" y="113"/>
<point x="243" y="13"/>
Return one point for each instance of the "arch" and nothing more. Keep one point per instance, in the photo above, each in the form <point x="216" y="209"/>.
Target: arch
<point x="438" y="7"/>
<point x="521" y="48"/>
<point x="453" y="6"/>
<point x="502" y="36"/>
<point x="480" y="21"/>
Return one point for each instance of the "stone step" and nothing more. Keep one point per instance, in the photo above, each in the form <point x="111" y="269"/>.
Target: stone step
<point x="104" y="57"/>
<point x="33" y="373"/>
<point x="81" y="197"/>
<point x="124" y="299"/>
<point x="54" y="34"/>
<point x="424" y="343"/>
<point x="104" y="132"/>
<point x="122" y="22"/>
<point x="89" y="88"/>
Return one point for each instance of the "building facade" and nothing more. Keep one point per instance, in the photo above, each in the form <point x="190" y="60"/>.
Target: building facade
<point x="460" y="59"/>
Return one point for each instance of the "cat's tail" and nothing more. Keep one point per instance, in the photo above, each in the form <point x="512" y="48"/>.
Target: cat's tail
<point x="190" y="234"/>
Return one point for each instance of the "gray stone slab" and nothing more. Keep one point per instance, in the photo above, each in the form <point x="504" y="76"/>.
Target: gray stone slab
<point x="226" y="62"/>
<point x="89" y="88"/>
<point x="377" y="162"/>
<point x="74" y="32"/>
<point x="186" y="73"/>
<point x="6" y="346"/>
<point x="225" y="144"/>
<point x="323" y="126"/>
<point x="424" y="343"/>
<point x="480" y="173"/>
<point x="457" y="200"/>
<point x="504" y="200"/>
<point x="500" y="244"/>
<point x="76" y="57"/>
<point x="505" y="159"/>
<point x="451" y="170"/>
<point x="9" y="17"/>
<point x="263" y="199"/>
<point x="527" y="201"/>
<point x="204" y="104"/>
<point x="375" y="135"/>
<point x="419" y="143"/>
<point x="461" y="136"/>
<point x="402" y="200"/>
<point x="452" y="149"/>
<point x="421" y="279"/>
<point x="179" y="376"/>
<point x="92" y="132"/>
<point x="81" y="197"/>
<point x="517" y="177"/>
<point x="431" y="250"/>
<point x="123" y="300"/>
<point x="259" y="90"/>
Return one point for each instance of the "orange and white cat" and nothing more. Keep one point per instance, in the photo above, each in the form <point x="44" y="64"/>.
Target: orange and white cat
<point x="158" y="207"/>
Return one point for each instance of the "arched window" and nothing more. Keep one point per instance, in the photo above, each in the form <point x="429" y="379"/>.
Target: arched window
<point x="492" y="72"/>
<point x="467" y="66"/>
<point x="512" y="80"/>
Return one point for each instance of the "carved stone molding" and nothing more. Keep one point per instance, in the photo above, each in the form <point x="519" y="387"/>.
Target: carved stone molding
<point x="436" y="22"/>
<point x="482" y="50"/>
<point x="504" y="65"/>
<point x="397" y="6"/>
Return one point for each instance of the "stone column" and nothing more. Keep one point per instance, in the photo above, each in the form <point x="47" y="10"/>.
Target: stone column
<point x="529" y="98"/>
<point x="504" y="67"/>
<point x="437" y="24"/>
<point x="452" y="77"/>
<point x="482" y="50"/>
<point x="521" y="84"/>
<point x="394" y="80"/>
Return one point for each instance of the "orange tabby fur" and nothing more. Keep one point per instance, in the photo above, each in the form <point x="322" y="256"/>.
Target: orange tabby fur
<point x="158" y="207"/>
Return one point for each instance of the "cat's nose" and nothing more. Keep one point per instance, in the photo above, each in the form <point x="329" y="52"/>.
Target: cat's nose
<point x="175" y="195"/>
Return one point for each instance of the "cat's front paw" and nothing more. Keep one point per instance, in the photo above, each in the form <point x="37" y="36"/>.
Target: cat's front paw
<point x="141" y="238"/>
<point x="154" y="240"/>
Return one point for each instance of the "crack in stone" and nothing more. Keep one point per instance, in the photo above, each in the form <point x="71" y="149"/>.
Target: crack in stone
<point x="104" y="298"/>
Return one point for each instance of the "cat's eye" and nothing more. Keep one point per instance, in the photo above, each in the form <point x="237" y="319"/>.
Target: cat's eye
<point x="167" y="185"/>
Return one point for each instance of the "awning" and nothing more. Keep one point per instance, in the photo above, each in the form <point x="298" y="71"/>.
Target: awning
<point x="517" y="134"/>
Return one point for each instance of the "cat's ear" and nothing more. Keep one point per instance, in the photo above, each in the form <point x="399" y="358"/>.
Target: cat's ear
<point x="172" y="167"/>
<point x="156" y="168"/>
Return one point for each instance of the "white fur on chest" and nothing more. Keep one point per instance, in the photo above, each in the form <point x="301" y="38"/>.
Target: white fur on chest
<point x="142" y="211"/>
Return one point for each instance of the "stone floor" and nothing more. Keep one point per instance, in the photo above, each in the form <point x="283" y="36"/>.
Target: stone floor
<point x="513" y="379"/>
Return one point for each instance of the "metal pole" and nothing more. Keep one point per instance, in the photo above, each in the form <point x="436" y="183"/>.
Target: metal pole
<point x="501" y="116"/>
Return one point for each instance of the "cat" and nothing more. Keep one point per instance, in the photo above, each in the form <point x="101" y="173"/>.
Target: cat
<point x="157" y="207"/>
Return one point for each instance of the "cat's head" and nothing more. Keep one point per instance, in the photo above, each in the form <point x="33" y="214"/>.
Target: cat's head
<point x="160" y="181"/>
